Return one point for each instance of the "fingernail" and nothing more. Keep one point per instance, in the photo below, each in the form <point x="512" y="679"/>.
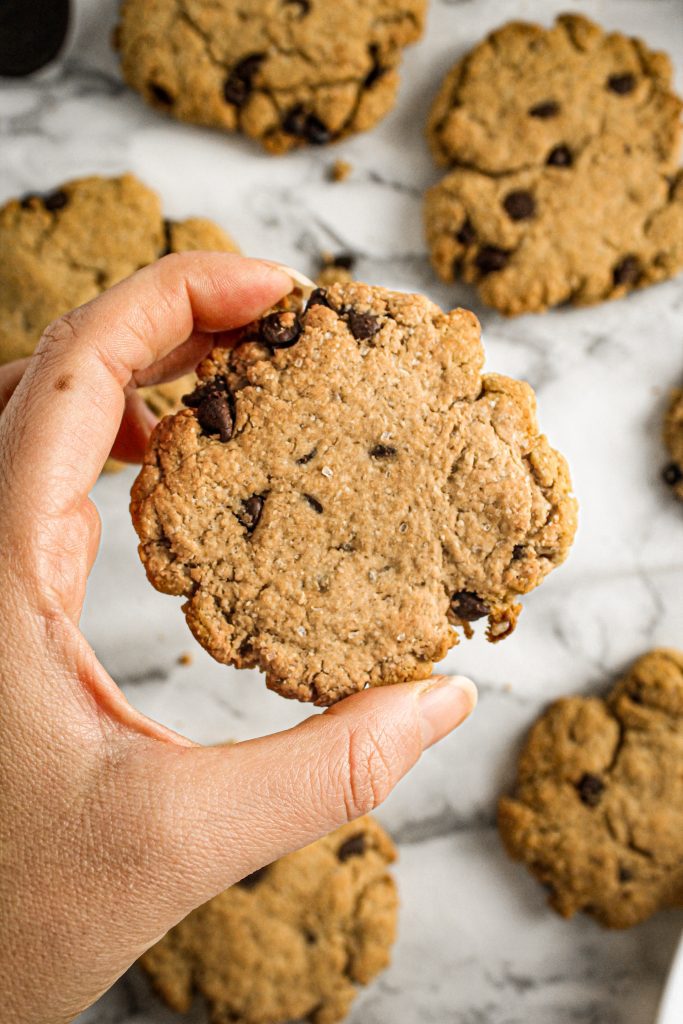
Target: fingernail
<point x="444" y="703"/>
<point x="298" y="279"/>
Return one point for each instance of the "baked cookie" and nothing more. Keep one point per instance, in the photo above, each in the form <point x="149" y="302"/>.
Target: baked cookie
<point x="598" y="811"/>
<point x="345" y="487"/>
<point x="60" y="250"/>
<point x="291" y="941"/>
<point x="288" y="73"/>
<point x="563" y="147"/>
<point x="673" y="438"/>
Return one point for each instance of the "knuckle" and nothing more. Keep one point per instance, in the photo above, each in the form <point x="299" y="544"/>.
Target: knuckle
<point x="369" y="769"/>
<point x="62" y="331"/>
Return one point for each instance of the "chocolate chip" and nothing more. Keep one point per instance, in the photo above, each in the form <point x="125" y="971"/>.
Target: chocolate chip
<point x="313" y="502"/>
<point x="382" y="451"/>
<point x="672" y="474"/>
<point x="519" y="205"/>
<point x="214" y="405"/>
<point x="250" y="513"/>
<point x="318" y="298"/>
<point x="354" y="846"/>
<point x="560" y="156"/>
<point x="55" y="200"/>
<point x="345" y="260"/>
<point x="376" y="71"/>
<point x="307" y="458"/>
<point x="468" y="606"/>
<point x="590" y="788"/>
<point x="240" y="81"/>
<point x="362" y="325"/>
<point x="252" y="880"/>
<point x="280" y="330"/>
<point x="627" y="271"/>
<point x="466" y="235"/>
<point x="306" y="126"/>
<point x="625" y="874"/>
<point x="549" y="108"/>
<point x="518" y="551"/>
<point x="490" y="258"/>
<point x="160" y="94"/>
<point x="622" y="84"/>
<point x="26" y="201"/>
<point x="31" y="34"/>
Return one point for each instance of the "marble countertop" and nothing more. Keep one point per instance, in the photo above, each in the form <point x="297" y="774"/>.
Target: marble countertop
<point x="477" y="944"/>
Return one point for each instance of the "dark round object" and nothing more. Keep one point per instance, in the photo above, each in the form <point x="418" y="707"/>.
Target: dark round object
<point x="32" y="33"/>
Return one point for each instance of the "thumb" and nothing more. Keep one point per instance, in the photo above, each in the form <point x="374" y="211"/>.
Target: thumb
<point x="230" y="810"/>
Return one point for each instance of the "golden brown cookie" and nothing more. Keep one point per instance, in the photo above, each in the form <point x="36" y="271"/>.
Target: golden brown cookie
<point x="290" y="942"/>
<point x="563" y="148"/>
<point x="62" y="249"/>
<point x="597" y="815"/>
<point x="345" y="488"/>
<point x="673" y="439"/>
<point x="287" y="73"/>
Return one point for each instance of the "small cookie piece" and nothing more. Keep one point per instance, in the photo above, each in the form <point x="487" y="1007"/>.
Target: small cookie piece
<point x="63" y="248"/>
<point x="344" y="488"/>
<point x="287" y="73"/>
<point x="340" y="170"/>
<point x="598" y="812"/>
<point x="673" y="439"/>
<point x="291" y="941"/>
<point x="563" y="144"/>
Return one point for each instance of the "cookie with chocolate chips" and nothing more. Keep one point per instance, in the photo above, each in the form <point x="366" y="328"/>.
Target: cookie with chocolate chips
<point x="564" y="184"/>
<point x="290" y="942"/>
<point x="62" y="248"/>
<point x="673" y="438"/>
<point x="400" y="494"/>
<point x="287" y="73"/>
<point x="597" y="815"/>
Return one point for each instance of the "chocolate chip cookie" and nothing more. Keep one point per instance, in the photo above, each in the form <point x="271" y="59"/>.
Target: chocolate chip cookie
<point x="673" y="438"/>
<point x="564" y="187"/>
<point x="287" y="73"/>
<point x="598" y="812"/>
<point x="290" y="942"/>
<point x="344" y="488"/>
<point x="61" y="249"/>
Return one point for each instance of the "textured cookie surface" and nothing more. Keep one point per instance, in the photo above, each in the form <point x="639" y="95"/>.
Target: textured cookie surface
<point x="673" y="438"/>
<point x="290" y="942"/>
<point x="564" y="186"/>
<point x="62" y="249"/>
<point x="285" y="72"/>
<point x="332" y="508"/>
<point x="598" y="812"/>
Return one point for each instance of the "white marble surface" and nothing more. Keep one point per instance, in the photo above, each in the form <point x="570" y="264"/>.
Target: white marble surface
<point x="477" y="944"/>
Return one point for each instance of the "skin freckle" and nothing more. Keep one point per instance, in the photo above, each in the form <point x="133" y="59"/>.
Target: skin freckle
<point x="63" y="382"/>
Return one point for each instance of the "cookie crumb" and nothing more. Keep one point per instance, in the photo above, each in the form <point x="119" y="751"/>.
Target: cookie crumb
<point x="185" y="659"/>
<point x="340" y="170"/>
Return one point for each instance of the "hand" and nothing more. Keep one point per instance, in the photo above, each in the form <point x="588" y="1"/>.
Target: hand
<point x="112" y="827"/>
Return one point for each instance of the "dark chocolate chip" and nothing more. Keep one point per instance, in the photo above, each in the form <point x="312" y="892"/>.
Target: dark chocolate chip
<point x="26" y="201"/>
<point x="313" y="502"/>
<point x="518" y="551"/>
<point x="214" y="405"/>
<point x="636" y="697"/>
<point x="302" y="7"/>
<point x="306" y="126"/>
<point x="31" y="34"/>
<point x="362" y="325"/>
<point x="625" y="874"/>
<point x="627" y="271"/>
<point x="560" y="156"/>
<point x="55" y="200"/>
<point x="252" y="880"/>
<point x="307" y="458"/>
<point x="160" y="94"/>
<point x="382" y="451"/>
<point x="239" y="83"/>
<point x="318" y="298"/>
<point x="549" y="108"/>
<point x="280" y="330"/>
<point x="490" y="259"/>
<point x="354" y="846"/>
<point x="250" y="512"/>
<point x="469" y="606"/>
<point x="345" y="260"/>
<point x="672" y="474"/>
<point x="519" y="205"/>
<point x="317" y="132"/>
<point x="376" y="71"/>
<point x="466" y="235"/>
<point x="622" y="84"/>
<point x="590" y="788"/>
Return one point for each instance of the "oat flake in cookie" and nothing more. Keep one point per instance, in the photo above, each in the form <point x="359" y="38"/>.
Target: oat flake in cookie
<point x="673" y="438"/>
<point x="344" y="488"/>
<point x="597" y="815"/>
<point x="287" y="73"/>
<point x="290" y="942"/>
<point x="564" y="183"/>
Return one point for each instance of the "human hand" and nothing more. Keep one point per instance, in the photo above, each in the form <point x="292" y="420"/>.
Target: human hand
<point x="112" y="827"/>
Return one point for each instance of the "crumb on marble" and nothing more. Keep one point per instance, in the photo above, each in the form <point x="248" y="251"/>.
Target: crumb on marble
<point x="340" y="170"/>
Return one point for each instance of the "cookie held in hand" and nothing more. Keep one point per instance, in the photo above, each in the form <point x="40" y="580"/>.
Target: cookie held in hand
<point x="597" y="815"/>
<point x="290" y="942"/>
<point x="563" y="147"/>
<point x="344" y="488"/>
